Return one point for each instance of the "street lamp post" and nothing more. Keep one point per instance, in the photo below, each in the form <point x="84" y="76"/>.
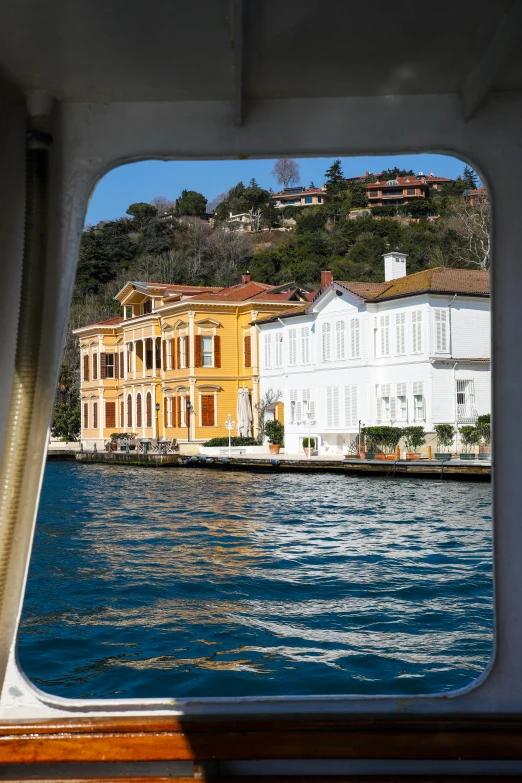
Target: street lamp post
<point x="158" y="406"/>
<point x="229" y="424"/>
<point x="188" y="409"/>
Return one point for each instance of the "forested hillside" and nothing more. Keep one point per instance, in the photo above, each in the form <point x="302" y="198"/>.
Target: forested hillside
<point x="165" y="241"/>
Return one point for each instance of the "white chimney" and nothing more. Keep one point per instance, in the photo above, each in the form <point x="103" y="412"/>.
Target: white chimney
<point x="394" y="265"/>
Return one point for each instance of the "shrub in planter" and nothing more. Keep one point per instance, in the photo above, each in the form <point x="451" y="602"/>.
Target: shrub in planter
<point x="308" y="446"/>
<point x="238" y="441"/>
<point x="484" y="429"/>
<point x="414" y="438"/>
<point x="469" y="437"/>
<point x="275" y="433"/>
<point x="445" y="436"/>
<point x="382" y="439"/>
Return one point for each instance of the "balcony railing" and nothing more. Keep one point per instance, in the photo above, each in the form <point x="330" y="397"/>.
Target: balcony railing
<point x="466" y="414"/>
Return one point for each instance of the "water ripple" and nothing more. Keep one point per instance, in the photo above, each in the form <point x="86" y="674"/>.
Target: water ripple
<point x="192" y="583"/>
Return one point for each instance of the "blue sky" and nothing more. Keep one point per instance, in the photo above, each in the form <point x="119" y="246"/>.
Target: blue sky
<point x="147" y="179"/>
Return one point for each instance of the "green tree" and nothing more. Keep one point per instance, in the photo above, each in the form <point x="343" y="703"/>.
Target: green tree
<point x="334" y="178"/>
<point x="396" y="172"/>
<point x="470" y="178"/>
<point x="190" y="203"/>
<point x="357" y="194"/>
<point x="141" y="212"/>
<point x="66" y="421"/>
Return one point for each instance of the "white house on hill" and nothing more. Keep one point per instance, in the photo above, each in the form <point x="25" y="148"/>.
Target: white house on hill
<point x="412" y="350"/>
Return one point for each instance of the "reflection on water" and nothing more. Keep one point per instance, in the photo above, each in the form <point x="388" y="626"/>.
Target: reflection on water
<point x="179" y="582"/>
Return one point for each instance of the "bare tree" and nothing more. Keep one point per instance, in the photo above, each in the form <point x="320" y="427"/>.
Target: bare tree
<point x="267" y="402"/>
<point x="211" y="206"/>
<point x="163" y="204"/>
<point x="230" y="250"/>
<point x="286" y="171"/>
<point x="470" y="220"/>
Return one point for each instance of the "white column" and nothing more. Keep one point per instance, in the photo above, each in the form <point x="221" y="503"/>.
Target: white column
<point x="144" y="360"/>
<point x="155" y="413"/>
<point x="254" y="346"/>
<point x="255" y="409"/>
<point x="134" y="360"/>
<point x="192" y="331"/>
<point x="192" y="383"/>
<point x="143" y="411"/>
<point x="101" y="414"/>
<point x="154" y="357"/>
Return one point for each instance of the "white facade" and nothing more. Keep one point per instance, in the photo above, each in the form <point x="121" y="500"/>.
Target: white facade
<point x="421" y="359"/>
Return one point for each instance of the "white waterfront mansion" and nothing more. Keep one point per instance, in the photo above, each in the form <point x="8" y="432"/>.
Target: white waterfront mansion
<point x="412" y="350"/>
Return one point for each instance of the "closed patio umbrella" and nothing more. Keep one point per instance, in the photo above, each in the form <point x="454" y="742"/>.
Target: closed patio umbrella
<point x="243" y="413"/>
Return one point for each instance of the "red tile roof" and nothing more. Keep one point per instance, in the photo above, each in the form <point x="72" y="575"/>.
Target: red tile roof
<point x="439" y="279"/>
<point x="291" y="193"/>
<point x="109" y="321"/>
<point x="410" y="181"/>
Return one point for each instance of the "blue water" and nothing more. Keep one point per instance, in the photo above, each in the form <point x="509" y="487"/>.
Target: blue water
<point x="182" y="582"/>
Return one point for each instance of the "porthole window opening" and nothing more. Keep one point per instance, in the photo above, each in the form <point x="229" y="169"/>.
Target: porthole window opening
<point x="290" y="382"/>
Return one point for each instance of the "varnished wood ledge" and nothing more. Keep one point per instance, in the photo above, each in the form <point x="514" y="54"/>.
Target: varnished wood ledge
<point x="176" y="739"/>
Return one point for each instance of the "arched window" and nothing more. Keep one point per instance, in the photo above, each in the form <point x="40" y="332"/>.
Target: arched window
<point x="129" y="411"/>
<point x="326" y="343"/>
<point x="149" y="410"/>
<point x="138" y="410"/>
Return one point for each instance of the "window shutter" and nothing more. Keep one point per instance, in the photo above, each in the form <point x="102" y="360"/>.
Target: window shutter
<point x="379" y="409"/>
<point x="110" y="414"/>
<point x="354" y="338"/>
<point x="165" y="412"/>
<point x="268" y="351"/>
<point x="198" y="351"/>
<point x="441" y="330"/>
<point x="292" y="346"/>
<point x="393" y="409"/>
<point x="178" y="411"/>
<point x="178" y="354"/>
<point x="416" y="318"/>
<point x="248" y="350"/>
<point x="335" y="406"/>
<point x="326" y="342"/>
<point x="138" y="410"/>
<point x="86" y="367"/>
<point x="217" y="350"/>
<point x="329" y="406"/>
<point x="122" y="365"/>
<point x="385" y="335"/>
<point x="129" y="411"/>
<point x="95" y="366"/>
<point x="305" y="345"/>
<point x="164" y="355"/>
<point x="400" y="320"/>
<point x="207" y="410"/>
<point x="401" y="390"/>
<point x="103" y="366"/>
<point x="116" y="365"/>
<point x="339" y="339"/>
<point x="85" y="415"/>
<point x="350" y="406"/>
<point x="187" y="348"/>
<point x="95" y="415"/>
<point x="149" y="410"/>
<point x="122" y="417"/>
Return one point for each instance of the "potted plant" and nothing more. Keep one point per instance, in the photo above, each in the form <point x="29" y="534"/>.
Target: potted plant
<point x="369" y="442"/>
<point x="275" y="433"/>
<point x="445" y="436"/>
<point x="308" y="446"/>
<point x="484" y="428"/>
<point x="390" y="440"/>
<point x="414" y="438"/>
<point x="115" y="437"/>
<point x="469" y="437"/>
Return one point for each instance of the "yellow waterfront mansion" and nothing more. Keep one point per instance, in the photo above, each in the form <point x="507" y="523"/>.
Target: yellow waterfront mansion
<point x="176" y="360"/>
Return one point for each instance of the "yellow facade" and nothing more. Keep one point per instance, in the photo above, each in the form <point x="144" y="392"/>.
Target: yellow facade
<point x="186" y="350"/>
